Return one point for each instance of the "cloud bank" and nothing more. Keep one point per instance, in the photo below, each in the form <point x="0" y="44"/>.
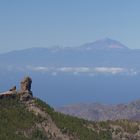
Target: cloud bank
<point x="76" y="70"/>
<point x="85" y="70"/>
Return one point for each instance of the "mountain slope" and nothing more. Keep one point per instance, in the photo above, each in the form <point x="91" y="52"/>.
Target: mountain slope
<point x="104" y="44"/>
<point x="33" y="119"/>
<point x="102" y="112"/>
<point x="17" y="123"/>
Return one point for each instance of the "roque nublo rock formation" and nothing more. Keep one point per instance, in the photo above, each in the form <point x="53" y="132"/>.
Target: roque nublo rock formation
<point x="24" y="93"/>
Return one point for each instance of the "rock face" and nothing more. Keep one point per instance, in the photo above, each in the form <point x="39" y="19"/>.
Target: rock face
<point x="25" y="84"/>
<point x="11" y="93"/>
<point x="13" y="88"/>
<point x="24" y="93"/>
<point x="25" y="89"/>
<point x="8" y="94"/>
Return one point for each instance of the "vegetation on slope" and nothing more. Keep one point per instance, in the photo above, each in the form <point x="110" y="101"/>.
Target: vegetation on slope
<point x="86" y="130"/>
<point x="17" y="123"/>
<point x="75" y="126"/>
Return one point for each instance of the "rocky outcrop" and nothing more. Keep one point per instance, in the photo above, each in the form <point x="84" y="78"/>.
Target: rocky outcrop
<point x="7" y="94"/>
<point x="25" y="84"/>
<point x="13" y="88"/>
<point x="25" y="89"/>
<point x="24" y="93"/>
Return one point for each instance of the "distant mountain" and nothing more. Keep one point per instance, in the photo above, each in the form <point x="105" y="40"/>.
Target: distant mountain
<point x="105" y="52"/>
<point x="102" y="112"/>
<point x="104" y="44"/>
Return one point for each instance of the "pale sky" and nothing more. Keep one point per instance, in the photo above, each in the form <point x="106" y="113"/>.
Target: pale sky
<point x="45" y="23"/>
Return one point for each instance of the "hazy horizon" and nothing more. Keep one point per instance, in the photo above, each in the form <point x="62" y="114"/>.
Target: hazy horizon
<point x="27" y="24"/>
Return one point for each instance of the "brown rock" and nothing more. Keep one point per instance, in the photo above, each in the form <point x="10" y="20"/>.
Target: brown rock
<point x="13" y="88"/>
<point x="25" y="84"/>
<point x="26" y="96"/>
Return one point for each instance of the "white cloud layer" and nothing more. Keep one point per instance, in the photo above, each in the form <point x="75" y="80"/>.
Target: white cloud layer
<point x="77" y="70"/>
<point x="85" y="70"/>
<point x="112" y="70"/>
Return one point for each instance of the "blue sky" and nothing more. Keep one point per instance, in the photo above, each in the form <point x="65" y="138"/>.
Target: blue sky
<point x="44" y="23"/>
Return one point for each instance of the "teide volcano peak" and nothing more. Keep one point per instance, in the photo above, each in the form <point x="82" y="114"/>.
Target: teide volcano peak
<point x="105" y="44"/>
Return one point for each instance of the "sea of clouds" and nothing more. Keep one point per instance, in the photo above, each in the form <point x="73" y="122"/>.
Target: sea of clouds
<point x="77" y="70"/>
